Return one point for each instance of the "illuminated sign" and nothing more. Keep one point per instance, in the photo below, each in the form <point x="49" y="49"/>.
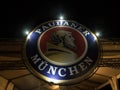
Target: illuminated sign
<point x="62" y="52"/>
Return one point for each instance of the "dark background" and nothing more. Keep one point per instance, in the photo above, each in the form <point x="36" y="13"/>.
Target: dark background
<point x="98" y="16"/>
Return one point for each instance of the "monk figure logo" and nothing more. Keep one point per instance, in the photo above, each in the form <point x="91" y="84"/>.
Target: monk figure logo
<point x="62" y="52"/>
<point x="60" y="48"/>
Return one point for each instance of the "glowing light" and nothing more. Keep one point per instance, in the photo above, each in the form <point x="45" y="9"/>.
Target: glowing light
<point x="29" y="35"/>
<point x="95" y="38"/>
<point x="98" y="34"/>
<point x="61" y="17"/>
<point x="26" y="32"/>
<point x="55" y="87"/>
<point x="53" y="81"/>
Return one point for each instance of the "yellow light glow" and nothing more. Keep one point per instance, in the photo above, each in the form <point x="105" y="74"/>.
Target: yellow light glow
<point x="55" y="87"/>
<point x="53" y="81"/>
<point x="95" y="38"/>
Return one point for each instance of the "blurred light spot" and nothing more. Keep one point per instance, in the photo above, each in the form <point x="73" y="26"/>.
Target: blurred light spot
<point x="26" y="32"/>
<point x="29" y="35"/>
<point x="61" y="17"/>
<point x="98" y="34"/>
<point x="55" y="87"/>
<point x="95" y="38"/>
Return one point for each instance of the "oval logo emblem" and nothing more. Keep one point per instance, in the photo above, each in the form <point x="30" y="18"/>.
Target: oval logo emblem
<point x="62" y="52"/>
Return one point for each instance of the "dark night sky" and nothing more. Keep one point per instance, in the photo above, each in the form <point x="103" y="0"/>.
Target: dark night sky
<point x="97" y="16"/>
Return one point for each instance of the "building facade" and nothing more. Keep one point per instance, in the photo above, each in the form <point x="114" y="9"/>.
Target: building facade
<point x="15" y="76"/>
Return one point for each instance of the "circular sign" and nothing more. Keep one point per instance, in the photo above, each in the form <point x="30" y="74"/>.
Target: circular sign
<point x="62" y="52"/>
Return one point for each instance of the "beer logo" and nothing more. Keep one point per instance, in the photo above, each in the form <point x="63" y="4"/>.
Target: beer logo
<point x="62" y="52"/>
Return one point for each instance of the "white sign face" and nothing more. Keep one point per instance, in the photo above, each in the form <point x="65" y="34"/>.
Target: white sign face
<point x="62" y="52"/>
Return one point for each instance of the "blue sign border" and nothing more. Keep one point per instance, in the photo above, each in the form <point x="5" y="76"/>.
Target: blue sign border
<point x="69" y="74"/>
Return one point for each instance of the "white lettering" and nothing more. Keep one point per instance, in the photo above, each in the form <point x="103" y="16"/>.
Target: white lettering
<point x="42" y="65"/>
<point x="35" y="59"/>
<point x="86" y="33"/>
<point x="51" y="24"/>
<point x="88" y="61"/>
<point x="73" y="70"/>
<point x="58" y="23"/>
<point x="38" y="31"/>
<point x="65" y="23"/>
<point x="73" y="25"/>
<point x="52" y="70"/>
<point x="83" y="66"/>
<point x="44" y="27"/>
<point x="60" y="70"/>
<point x="80" y="28"/>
